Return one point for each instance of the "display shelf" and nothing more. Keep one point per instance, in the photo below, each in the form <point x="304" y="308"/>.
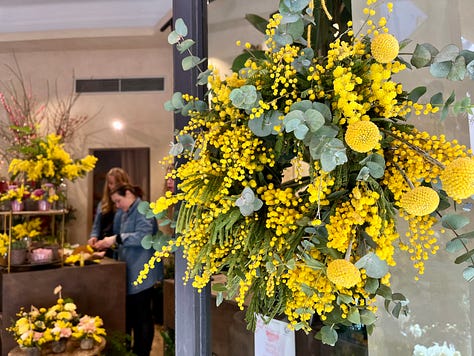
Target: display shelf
<point x="6" y="218"/>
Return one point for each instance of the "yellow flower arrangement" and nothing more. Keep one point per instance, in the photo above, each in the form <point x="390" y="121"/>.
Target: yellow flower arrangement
<point x="60" y="321"/>
<point x="16" y="193"/>
<point x="322" y="244"/>
<point x="47" y="160"/>
<point x="46" y="192"/>
<point x="29" y="329"/>
<point x="89" y="327"/>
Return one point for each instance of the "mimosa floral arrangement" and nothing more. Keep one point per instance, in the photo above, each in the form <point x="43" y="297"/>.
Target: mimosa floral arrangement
<point x="320" y="244"/>
<point x="45" y="159"/>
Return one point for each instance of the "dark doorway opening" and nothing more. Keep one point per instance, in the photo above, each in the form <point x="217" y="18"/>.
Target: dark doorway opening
<point x="136" y="161"/>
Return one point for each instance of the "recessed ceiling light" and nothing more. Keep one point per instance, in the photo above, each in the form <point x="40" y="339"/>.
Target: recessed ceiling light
<point x="117" y="125"/>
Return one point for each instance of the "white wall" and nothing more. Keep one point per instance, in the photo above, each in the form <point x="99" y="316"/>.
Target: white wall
<point x="147" y="124"/>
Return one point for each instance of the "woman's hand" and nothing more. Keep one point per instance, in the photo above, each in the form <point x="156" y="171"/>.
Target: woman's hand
<point x="105" y="243"/>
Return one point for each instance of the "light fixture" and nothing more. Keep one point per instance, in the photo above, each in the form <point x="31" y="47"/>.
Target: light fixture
<point x="117" y="125"/>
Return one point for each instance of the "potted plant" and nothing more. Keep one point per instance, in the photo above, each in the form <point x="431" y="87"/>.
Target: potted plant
<point x="29" y="330"/>
<point x="16" y="195"/>
<point x="45" y="196"/>
<point x="89" y="331"/>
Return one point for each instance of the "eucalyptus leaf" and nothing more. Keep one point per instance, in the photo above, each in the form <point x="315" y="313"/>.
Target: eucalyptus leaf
<point x="464" y="257"/>
<point x="468" y="274"/>
<point x="295" y="29"/>
<point x="244" y="97"/>
<point x="376" y="170"/>
<point x="302" y="105"/>
<point x="283" y="39"/>
<point x="258" y="22"/>
<point x="364" y="174"/>
<point x="416" y="93"/>
<point x="454" y="221"/>
<point x="314" y="119"/>
<point x="458" y="70"/>
<point x="190" y="62"/>
<point x="265" y="124"/>
<point x="455" y="245"/>
<point x="185" y="45"/>
<point x="177" y="100"/>
<point x="470" y="69"/>
<point x="180" y="27"/>
<point x="373" y="265"/>
<point x="448" y="53"/>
<point x="440" y="69"/>
<point x="421" y="56"/>
<point x="328" y="335"/>
<point x="367" y="317"/>
<point x="296" y="5"/>
<point x="371" y="285"/>
<point x="202" y="78"/>
<point x="354" y="316"/>
<point x="173" y="37"/>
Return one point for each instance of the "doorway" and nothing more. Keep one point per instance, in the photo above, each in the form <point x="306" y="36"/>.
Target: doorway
<point x="135" y="161"/>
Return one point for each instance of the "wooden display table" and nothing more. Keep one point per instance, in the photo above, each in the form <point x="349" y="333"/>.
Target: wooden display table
<point x="97" y="289"/>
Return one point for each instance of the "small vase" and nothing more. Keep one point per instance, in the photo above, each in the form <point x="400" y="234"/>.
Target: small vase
<point x="17" y="256"/>
<point x="44" y="205"/>
<point x="17" y="205"/>
<point x="58" y="346"/>
<point x="87" y="343"/>
<point x="32" y="351"/>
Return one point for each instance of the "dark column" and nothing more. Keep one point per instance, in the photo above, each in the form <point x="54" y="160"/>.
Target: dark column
<point x="192" y="319"/>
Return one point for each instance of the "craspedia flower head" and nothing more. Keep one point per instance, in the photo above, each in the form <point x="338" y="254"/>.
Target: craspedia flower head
<point x="384" y="48"/>
<point x="362" y="136"/>
<point x="343" y="273"/>
<point x="420" y="201"/>
<point x="458" y="178"/>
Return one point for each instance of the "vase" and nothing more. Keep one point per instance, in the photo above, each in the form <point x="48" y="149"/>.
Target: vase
<point x="16" y="205"/>
<point x="87" y="343"/>
<point x="58" y="346"/>
<point x="31" y="351"/>
<point x="18" y="256"/>
<point x="44" y="205"/>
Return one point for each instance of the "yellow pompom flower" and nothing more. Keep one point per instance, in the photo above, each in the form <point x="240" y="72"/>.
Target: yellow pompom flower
<point x="362" y="136"/>
<point x="420" y="201"/>
<point x="384" y="48"/>
<point x="343" y="273"/>
<point x="458" y="178"/>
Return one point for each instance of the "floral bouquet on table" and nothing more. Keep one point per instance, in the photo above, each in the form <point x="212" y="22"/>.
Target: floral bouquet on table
<point x="89" y="328"/>
<point x="29" y="329"/>
<point x="321" y="244"/>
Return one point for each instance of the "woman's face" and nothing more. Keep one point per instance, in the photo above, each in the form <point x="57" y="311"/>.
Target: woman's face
<point x="111" y="182"/>
<point x="123" y="202"/>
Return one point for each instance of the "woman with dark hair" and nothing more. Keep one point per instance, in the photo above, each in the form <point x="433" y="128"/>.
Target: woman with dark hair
<point x="104" y="216"/>
<point x="130" y="227"/>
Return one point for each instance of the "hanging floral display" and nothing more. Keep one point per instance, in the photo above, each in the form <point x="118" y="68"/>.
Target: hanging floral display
<point x="318" y="243"/>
